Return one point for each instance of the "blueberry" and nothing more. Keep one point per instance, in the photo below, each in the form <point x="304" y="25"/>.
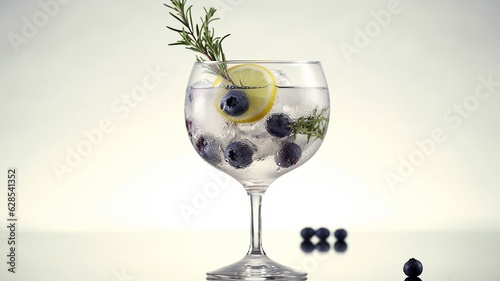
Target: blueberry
<point x="340" y="234"/>
<point x="413" y="278"/>
<point x="340" y="246"/>
<point x="307" y="233"/>
<point x="413" y="268"/>
<point x="323" y="246"/>
<point x="234" y="103"/>
<point x="238" y="154"/>
<point x="307" y="246"/>
<point x="209" y="149"/>
<point x="288" y="154"/>
<point x="278" y="125"/>
<point x="322" y="233"/>
<point x="189" y="127"/>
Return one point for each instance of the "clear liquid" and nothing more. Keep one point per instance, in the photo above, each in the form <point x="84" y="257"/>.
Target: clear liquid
<point x="210" y="132"/>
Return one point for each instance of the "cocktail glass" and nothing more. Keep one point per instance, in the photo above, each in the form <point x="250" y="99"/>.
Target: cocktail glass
<point x="256" y="121"/>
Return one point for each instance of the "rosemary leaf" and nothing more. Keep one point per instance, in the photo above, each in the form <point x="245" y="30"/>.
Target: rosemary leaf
<point x="313" y="126"/>
<point x="200" y="38"/>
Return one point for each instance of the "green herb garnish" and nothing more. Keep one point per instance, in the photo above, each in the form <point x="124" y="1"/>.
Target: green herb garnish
<point x="312" y="126"/>
<point x="200" y="38"/>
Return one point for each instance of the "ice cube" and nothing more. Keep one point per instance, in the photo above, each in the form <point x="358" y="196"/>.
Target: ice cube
<point x="202" y="84"/>
<point x="280" y="78"/>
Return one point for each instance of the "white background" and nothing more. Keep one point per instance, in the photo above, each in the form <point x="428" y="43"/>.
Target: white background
<point x="65" y="68"/>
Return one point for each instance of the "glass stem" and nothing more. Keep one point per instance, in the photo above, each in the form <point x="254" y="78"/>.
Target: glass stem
<point x="256" y="224"/>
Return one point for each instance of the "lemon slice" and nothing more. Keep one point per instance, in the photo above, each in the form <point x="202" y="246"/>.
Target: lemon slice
<point x="261" y="91"/>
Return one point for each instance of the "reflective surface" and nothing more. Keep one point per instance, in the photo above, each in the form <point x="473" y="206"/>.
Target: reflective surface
<point x="188" y="255"/>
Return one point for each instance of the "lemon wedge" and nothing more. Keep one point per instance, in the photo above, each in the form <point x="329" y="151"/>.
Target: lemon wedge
<point x="259" y="86"/>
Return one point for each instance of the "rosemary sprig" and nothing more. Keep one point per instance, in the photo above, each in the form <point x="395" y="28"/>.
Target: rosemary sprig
<point x="313" y="126"/>
<point x="200" y="38"/>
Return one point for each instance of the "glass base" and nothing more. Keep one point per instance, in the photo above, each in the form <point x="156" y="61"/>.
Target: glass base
<point x="255" y="268"/>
